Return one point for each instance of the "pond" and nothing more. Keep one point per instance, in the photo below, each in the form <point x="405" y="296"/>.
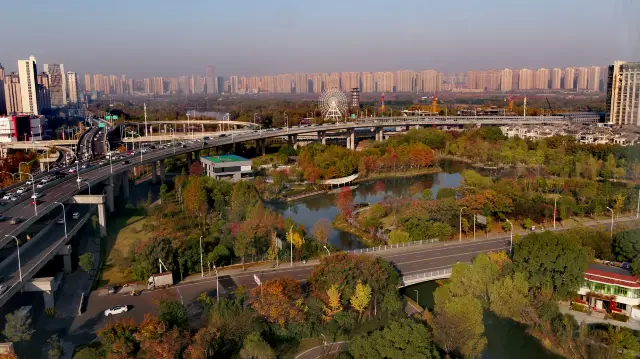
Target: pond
<point x="308" y="211"/>
<point x="506" y="339"/>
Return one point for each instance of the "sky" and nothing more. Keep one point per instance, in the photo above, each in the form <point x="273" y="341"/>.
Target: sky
<point x="266" y="37"/>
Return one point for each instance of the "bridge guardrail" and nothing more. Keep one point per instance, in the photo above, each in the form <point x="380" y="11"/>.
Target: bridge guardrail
<point x="431" y="274"/>
<point x="393" y="246"/>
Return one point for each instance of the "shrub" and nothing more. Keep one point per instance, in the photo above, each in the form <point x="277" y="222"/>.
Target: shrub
<point x="579" y="307"/>
<point x="619" y="317"/>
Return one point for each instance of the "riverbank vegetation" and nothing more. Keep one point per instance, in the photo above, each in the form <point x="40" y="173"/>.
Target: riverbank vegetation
<point x="545" y="268"/>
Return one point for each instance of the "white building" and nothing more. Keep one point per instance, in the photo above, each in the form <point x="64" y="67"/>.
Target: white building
<point x="623" y="90"/>
<point x="28" y="72"/>
<point x="610" y="289"/>
<point x="72" y="80"/>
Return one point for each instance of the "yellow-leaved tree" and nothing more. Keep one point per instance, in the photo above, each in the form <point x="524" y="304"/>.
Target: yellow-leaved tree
<point x="335" y="305"/>
<point x="361" y="298"/>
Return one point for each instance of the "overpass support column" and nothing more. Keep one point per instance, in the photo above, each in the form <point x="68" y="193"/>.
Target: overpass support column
<point x="110" y="197"/>
<point x="43" y="167"/>
<point x="292" y="140"/>
<point x="189" y="159"/>
<point x="322" y="136"/>
<point x="65" y="252"/>
<point x="102" y="220"/>
<point x="154" y="173"/>
<point x="379" y="136"/>
<point x="196" y="156"/>
<point x="261" y="148"/>
<point x="125" y="184"/>
<point x="351" y="141"/>
<point x="162" y="171"/>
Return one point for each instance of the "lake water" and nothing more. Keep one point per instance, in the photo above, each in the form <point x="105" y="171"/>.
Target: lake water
<point x="506" y="339"/>
<point x="308" y="211"/>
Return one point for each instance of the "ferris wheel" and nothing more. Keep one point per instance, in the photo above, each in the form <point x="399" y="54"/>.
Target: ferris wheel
<point x="333" y="104"/>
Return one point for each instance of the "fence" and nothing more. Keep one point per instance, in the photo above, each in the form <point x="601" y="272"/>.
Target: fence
<point x="426" y="276"/>
<point x="393" y="246"/>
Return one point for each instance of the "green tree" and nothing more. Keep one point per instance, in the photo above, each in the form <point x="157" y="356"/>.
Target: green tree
<point x="18" y="327"/>
<point x="397" y="236"/>
<point x="55" y="347"/>
<point x="85" y="262"/>
<point x="87" y="353"/>
<point x="164" y="195"/>
<point x="427" y="193"/>
<point x="446" y="193"/>
<point x="321" y="229"/>
<point x="219" y="252"/>
<point x="635" y="266"/>
<point x="552" y="260"/>
<point x="243" y="198"/>
<point x="256" y="348"/>
<point x="626" y="245"/>
<point x="510" y="296"/>
<point x="474" y="279"/>
<point x="458" y="326"/>
<point x="400" y="339"/>
<point x="173" y="314"/>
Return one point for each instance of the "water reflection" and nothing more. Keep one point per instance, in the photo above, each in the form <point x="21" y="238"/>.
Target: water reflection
<point x="308" y="211"/>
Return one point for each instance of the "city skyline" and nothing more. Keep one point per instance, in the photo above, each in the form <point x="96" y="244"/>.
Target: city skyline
<point x="277" y="37"/>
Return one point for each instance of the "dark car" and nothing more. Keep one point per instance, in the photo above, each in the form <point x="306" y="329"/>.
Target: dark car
<point x="205" y="138"/>
<point x="126" y="162"/>
<point x="15" y="220"/>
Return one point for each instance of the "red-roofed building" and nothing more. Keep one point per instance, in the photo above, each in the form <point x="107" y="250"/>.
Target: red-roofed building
<point x="611" y="289"/>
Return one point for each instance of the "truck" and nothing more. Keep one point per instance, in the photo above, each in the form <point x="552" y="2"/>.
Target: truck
<point x="161" y="280"/>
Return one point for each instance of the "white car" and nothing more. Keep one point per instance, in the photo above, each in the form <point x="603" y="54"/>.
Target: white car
<point x="80" y="179"/>
<point x="75" y="215"/>
<point x="60" y="221"/>
<point x="3" y="288"/>
<point x="7" y="196"/>
<point x="40" y="185"/>
<point x="118" y="309"/>
<point x="36" y="195"/>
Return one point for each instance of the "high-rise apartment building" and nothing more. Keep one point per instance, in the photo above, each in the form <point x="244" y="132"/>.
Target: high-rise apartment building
<point x="233" y="83"/>
<point x="368" y="85"/>
<point x="429" y="81"/>
<point x="284" y="83"/>
<point x="72" y="81"/>
<point x="87" y="82"/>
<point x="210" y="76"/>
<point x="3" y="101"/>
<point x="158" y="86"/>
<point x="220" y="84"/>
<point x="57" y="84"/>
<point x="526" y="79"/>
<point x="13" y="93"/>
<point x="583" y="78"/>
<point x="317" y="83"/>
<point x="593" y="82"/>
<point x="28" y="71"/>
<point x="302" y="83"/>
<point x="472" y="80"/>
<point x="43" y="92"/>
<point x="515" y="80"/>
<point x="332" y="82"/>
<point x="623" y="93"/>
<point x="506" y="80"/>
<point x="556" y="78"/>
<point x="542" y="79"/>
<point x="569" y="78"/>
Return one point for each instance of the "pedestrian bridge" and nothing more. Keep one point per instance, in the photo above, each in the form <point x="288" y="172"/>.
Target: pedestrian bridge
<point x="411" y="279"/>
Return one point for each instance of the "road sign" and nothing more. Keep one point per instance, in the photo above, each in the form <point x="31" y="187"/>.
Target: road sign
<point x="279" y="243"/>
<point x="114" y="117"/>
<point x="255" y="277"/>
<point x="481" y="219"/>
<point x="101" y="125"/>
<point x="108" y="118"/>
<point x="353" y="115"/>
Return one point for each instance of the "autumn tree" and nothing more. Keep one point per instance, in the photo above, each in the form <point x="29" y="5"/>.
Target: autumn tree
<point x="458" y="326"/>
<point x="202" y="344"/>
<point x="334" y="304"/>
<point x="255" y="347"/>
<point x="279" y="300"/>
<point x="361" y="297"/>
<point x="344" y="201"/>
<point x="321" y="229"/>
<point x="118" y="338"/>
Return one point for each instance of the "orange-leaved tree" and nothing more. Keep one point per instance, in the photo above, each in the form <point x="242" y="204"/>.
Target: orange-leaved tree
<point x="279" y="300"/>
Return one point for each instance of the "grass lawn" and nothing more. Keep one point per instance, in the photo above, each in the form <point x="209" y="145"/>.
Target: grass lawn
<point x="124" y="232"/>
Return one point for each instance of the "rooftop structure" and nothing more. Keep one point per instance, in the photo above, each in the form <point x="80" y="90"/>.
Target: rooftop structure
<point x="227" y="166"/>
<point x="610" y="289"/>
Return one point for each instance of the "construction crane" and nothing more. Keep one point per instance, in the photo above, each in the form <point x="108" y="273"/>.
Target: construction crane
<point x="549" y="104"/>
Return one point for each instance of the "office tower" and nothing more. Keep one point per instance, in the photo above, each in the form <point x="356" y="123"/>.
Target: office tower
<point x="368" y="85"/>
<point x="569" y="78"/>
<point x="542" y="79"/>
<point x="526" y="79"/>
<point x="429" y="81"/>
<point x="506" y="80"/>
<point x="43" y="91"/>
<point x="623" y="93"/>
<point x="3" y="101"/>
<point x="593" y="81"/>
<point x="583" y="78"/>
<point x="210" y="75"/>
<point x="72" y="81"/>
<point x="220" y="84"/>
<point x="57" y="84"/>
<point x="556" y="78"/>
<point x="27" y="70"/>
<point x="13" y="93"/>
<point x="87" y="82"/>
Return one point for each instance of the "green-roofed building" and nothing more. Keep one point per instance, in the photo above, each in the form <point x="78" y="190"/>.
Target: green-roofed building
<point x="227" y="167"/>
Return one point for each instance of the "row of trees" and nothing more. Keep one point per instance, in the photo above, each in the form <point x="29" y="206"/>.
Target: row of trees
<point x="545" y="268"/>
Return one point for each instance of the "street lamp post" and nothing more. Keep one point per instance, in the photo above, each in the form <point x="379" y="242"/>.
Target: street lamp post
<point x="286" y="119"/>
<point x="88" y="186"/>
<point x="18" y="247"/>
<point x="217" y="284"/>
<point x="611" y="221"/>
<point x="33" y="187"/>
<point x="19" y="166"/>
<point x="460" y="235"/>
<point x="511" y="236"/>
<point x="555" y="205"/>
<point x="417" y="296"/>
<point x="201" y="265"/>
<point x="173" y="139"/>
<point x="64" y="218"/>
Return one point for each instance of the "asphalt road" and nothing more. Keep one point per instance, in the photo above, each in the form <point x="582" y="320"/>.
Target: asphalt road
<point x="322" y="350"/>
<point x="420" y="259"/>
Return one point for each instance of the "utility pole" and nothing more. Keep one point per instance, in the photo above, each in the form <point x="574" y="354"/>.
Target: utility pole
<point x="145" y="119"/>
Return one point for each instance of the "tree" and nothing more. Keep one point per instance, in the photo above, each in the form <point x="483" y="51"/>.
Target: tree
<point x="294" y="238"/>
<point x="243" y="197"/>
<point x="397" y="236"/>
<point x="196" y="169"/>
<point x="474" y="279"/>
<point x="446" y="193"/>
<point x="85" y="262"/>
<point x="427" y="194"/>
<point x="361" y="298"/>
<point x="256" y="348"/>
<point x="164" y="196"/>
<point x="173" y="314"/>
<point x="86" y="353"/>
<point x="169" y="346"/>
<point x="458" y="325"/>
<point x="279" y="300"/>
<point x="202" y="344"/>
<point x="334" y="303"/>
<point x="118" y="338"/>
<point x="219" y="251"/>
<point x="400" y="339"/>
<point x="321" y="229"/>
<point x="344" y="201"/>
<point x="635" y="266"/>
<point x="510" y="296"/>
<point x="626" y="245"/>
<point x="55" y="347"/>
<point x="18" y="326"/>
<point x="553" y="260"/>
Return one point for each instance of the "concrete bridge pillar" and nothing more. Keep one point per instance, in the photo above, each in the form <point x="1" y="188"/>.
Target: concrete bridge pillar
<point x="65" y="252"/>
<point x="3" y="152"/>
<point x="322" y="136"/>
<point x="189" y="160"/>
<point x="196" y="156"/>
<point x="379" y="135"/>
<point x="292" y="140"/>
<point x="162" y="171"/>
<point x="125" y="184"/>
<point x="154" y="172"/>
<point x="351" y="139"/>
<point x="184" y="128"/>
<point x="102" y="220"/>
<point x="165" y="129"/>
<point x="43" y="167"/>
<point x="261" y="147"/>
<point x="110" y="197"/>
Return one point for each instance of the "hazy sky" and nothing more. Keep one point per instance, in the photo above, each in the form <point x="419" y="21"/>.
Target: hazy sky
<point x="262" y="37"/>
